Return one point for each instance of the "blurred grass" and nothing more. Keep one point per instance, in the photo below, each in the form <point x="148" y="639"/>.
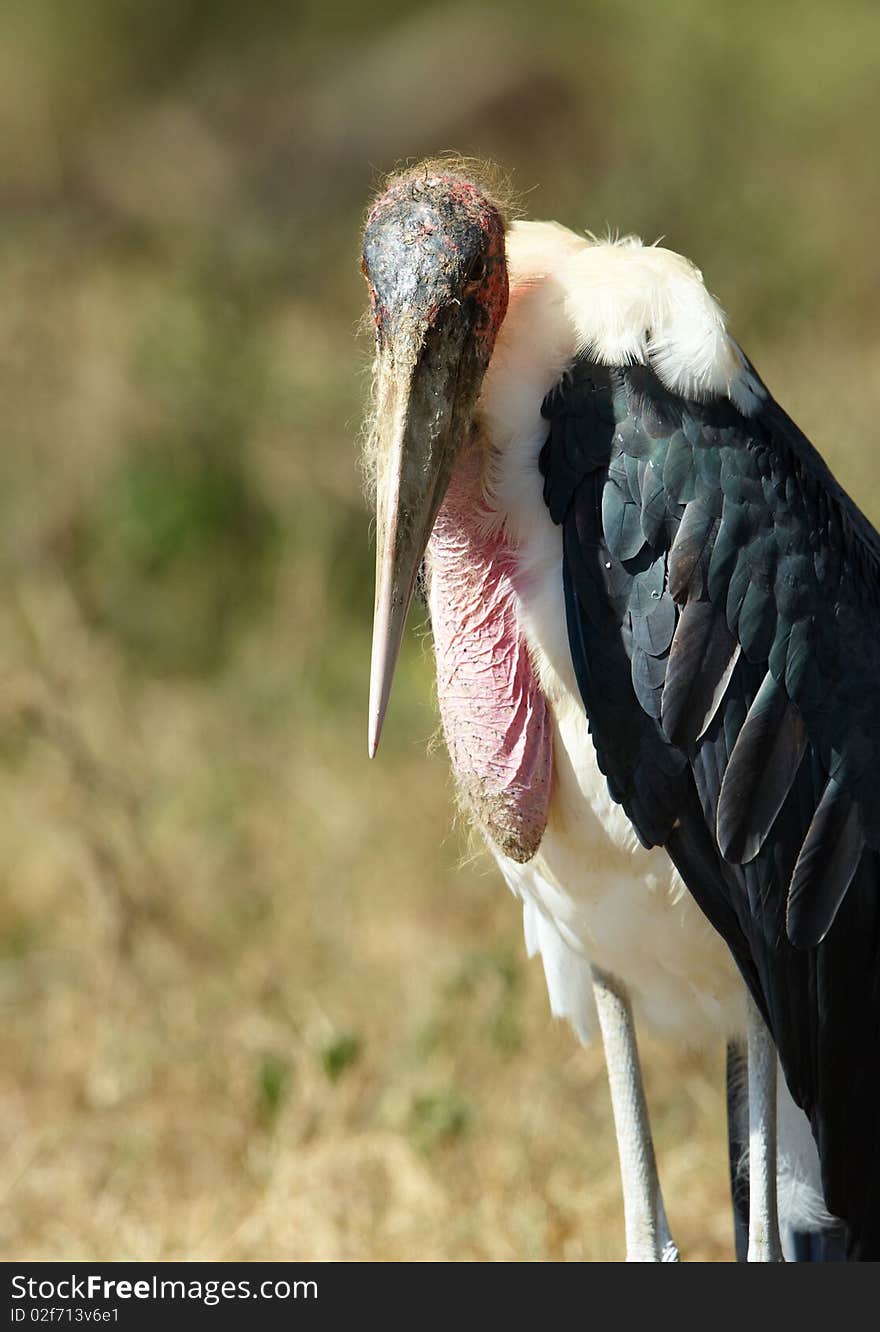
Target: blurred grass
<point x="259" y="1000"/>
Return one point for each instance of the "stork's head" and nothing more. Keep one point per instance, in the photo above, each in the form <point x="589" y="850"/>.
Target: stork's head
<point x="435" y="265"/>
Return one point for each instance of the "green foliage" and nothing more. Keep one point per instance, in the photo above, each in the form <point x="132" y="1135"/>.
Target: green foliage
<point x="438" y="1117"/>
<point x="339" y="1054"/>
<point x="178" y="554"/>
<point x="273" y="1080"/>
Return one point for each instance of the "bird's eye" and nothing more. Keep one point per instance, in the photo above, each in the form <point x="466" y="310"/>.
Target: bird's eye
<point x="475" y="271"/>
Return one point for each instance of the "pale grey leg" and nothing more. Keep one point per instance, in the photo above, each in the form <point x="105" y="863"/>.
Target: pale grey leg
<point x="647" y="1232"/>
<point x="764" y="1242"/>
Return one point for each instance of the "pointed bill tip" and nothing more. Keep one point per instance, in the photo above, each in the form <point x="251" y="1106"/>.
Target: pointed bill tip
<point x="374" y="734"/>
<point x="387" y="634"/>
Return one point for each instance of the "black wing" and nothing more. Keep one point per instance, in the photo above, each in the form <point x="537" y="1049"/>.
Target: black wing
<point x="723" y="604"/>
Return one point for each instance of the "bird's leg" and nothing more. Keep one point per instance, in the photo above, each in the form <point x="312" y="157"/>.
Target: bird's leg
<point x="737" y="1130"/>
<point x="764" y="1242"/>
<point x="647" y="1232"/>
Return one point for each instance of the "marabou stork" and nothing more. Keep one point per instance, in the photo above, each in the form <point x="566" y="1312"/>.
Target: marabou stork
<point x="655" y="618"/>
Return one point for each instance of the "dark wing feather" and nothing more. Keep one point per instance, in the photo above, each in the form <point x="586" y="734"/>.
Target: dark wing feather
<point x="825" y="866"/>
<point x="759" y="775"/>
<point x="702" y="659"/>
<point x="724" y="620"/>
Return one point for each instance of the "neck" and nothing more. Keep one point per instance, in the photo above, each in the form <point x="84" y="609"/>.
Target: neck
<point x="495" y="720"/>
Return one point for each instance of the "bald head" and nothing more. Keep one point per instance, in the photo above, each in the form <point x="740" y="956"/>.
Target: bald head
<point x="434" y="250"/>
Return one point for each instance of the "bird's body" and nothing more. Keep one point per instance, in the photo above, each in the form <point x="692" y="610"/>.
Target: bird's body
<point x="513" y="718"/>
<point x="656" y="624"/>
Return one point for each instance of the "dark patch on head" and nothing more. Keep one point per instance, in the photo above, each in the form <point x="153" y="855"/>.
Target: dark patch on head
<point x="432" y="244"/>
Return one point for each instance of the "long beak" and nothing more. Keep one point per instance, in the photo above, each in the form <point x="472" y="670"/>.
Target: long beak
<point x="424" y="404"/>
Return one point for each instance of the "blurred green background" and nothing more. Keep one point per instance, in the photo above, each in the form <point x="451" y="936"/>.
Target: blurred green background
<point x="260" y="998"/>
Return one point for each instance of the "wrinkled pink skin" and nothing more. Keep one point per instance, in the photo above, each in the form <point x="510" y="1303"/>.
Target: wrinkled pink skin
<point x="495" y="719"/>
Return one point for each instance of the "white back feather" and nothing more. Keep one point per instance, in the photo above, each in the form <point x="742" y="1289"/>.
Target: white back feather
<point x="630" y="303"/>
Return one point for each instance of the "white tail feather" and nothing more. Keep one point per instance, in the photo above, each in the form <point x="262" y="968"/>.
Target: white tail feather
<point x="569" y="985"/>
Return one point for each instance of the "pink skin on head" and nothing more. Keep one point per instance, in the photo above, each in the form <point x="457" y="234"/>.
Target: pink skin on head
<point x="495" y="719"/>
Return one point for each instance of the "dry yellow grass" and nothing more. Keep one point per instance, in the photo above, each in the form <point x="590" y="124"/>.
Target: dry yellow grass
<point x="218" y="1056"/>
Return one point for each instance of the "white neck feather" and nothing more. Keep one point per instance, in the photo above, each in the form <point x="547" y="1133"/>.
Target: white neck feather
<point x="623" y="303"/>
